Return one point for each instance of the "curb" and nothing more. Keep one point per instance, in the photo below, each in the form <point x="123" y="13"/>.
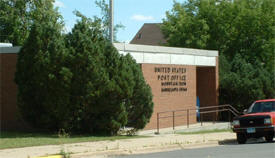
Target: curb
<point x="120" y="147"/>
<point x="106" y="154"/>
<point x="52" y="156"/>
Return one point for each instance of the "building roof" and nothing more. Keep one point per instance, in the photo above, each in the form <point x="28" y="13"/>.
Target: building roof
<point x="149" y="34"/>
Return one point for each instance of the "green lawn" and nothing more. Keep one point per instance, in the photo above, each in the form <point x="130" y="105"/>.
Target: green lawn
<point x="206" y="131"/>
<point x="16" y="139"/>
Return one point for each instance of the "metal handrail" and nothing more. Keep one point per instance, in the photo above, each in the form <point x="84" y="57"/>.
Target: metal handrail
<point x="225" y="107"/>
<point x="209" y="107"/>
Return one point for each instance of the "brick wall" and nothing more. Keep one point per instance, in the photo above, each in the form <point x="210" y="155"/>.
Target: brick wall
<point x="207" y="89"/>
<point x="10" y="118"/>
<point x="8" y="91"/>
<point x="191" y="81"/>
<point x="155" y="75"/>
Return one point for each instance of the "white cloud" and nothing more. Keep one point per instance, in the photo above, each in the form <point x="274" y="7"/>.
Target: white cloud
<point x="59" y="4"/>
<point x="142" y="17"/>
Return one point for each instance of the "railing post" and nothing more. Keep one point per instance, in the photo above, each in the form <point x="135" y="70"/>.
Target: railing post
<point x="201" y="118"/>
<point x="229" y="116"/>
<point x="157" y="123"/>
<point x="187" y="118"/>
<point x="214" y="117"/>
<point x="173" y="120"/>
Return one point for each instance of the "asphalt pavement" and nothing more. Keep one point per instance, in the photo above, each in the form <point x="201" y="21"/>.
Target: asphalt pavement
<point x="254" y="149"/>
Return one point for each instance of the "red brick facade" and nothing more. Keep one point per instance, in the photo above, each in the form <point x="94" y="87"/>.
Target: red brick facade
<point x="8" y="90"/>
<point x="175" y="99"/>
<point x="174" y="87"/>
<point x="200" y="81"/>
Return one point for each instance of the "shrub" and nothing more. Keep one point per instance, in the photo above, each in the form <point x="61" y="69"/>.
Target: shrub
<point x="79" y="82"/>
<point x="43" y="81"/>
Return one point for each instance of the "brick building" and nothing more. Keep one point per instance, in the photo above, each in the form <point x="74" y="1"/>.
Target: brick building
<point x="176" y="75"/>
<point x="9" y="116"/>
<point x="149" y="34"/>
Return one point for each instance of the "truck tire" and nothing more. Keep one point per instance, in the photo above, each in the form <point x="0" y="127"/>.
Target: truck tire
<point x="269" y="138"/>
<point x="241" y="138"/>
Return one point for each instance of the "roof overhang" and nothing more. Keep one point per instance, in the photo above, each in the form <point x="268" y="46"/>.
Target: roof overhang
<point x="9" y="49"/>
<point x="168" y="55"/>
<point x="157" y="54"/>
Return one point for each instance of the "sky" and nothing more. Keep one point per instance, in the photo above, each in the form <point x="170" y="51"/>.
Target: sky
<point x="130" y="13"/>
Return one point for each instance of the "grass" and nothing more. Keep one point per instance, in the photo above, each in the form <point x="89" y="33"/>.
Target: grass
<point x="19" y="139"/>
<point x="206" y="131"/>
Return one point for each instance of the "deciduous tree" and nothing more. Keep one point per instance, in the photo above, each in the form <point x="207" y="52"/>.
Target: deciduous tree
<point x="237" y="29"/>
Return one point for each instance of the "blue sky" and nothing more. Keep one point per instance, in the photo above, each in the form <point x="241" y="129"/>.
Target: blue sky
<point x="131" y="13"/>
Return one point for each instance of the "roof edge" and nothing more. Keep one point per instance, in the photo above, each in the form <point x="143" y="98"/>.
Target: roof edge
<point x="165" y="50"/>
<point x="4" y="50"/>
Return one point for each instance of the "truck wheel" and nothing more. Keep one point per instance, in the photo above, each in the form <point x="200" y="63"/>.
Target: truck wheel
<point x="269" y="138"/>
<point x="241" y="139"/>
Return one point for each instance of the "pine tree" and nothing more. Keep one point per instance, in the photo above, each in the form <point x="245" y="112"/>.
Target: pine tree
<point x="42" y="79"/>
<point x="78" y="82"/>
<point x="139" y="105"/>
<point x="99" y="85"/>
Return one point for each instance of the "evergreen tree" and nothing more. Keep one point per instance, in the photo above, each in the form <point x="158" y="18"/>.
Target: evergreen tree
<point x="140" y="105"/>
<point x="100" y="81"/>
<point x="42" y="79"/>
<point x="108" y="89"/>
<point x="78" y="82"/>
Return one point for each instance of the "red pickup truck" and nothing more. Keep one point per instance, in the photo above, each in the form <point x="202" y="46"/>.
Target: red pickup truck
<point x="257" y="121"/>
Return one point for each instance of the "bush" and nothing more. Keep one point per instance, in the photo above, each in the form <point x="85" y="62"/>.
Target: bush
<point x="140" y="105"/>
<point x="109" y="89"/>
<point x="86" y="88"/>
<point x="241" y="83"/>
<point x="43" y="81"/>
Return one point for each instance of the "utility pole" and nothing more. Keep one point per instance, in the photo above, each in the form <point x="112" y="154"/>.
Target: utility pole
<point x="111" y="29"/>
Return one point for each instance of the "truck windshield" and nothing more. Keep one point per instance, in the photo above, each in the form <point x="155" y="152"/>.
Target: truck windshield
<point x="262" y="107"/>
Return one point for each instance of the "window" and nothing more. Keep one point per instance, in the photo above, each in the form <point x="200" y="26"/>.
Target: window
<point x="139" y="36"/>
<point x="262" y="107"/>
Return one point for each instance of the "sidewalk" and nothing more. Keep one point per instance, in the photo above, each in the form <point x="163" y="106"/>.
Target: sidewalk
<point x="192" y="128"/>
<point x="163" y="141"/>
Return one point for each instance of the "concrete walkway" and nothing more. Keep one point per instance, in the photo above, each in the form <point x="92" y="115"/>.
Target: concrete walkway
<point x="161" y="142"/>
<point x="192" y="128"/>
